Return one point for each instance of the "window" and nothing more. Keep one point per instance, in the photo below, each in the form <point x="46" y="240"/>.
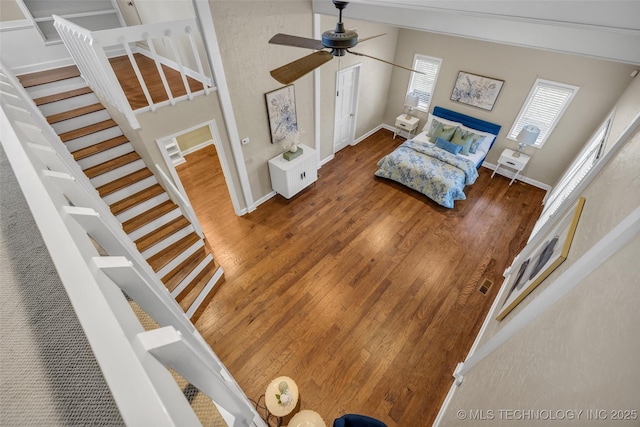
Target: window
<point x="543" y="108"/>
<point x="423" y="84"/>
<point x="578" y="170"/>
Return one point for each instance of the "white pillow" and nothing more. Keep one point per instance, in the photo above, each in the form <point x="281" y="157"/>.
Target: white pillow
<point x="428" y="125"/>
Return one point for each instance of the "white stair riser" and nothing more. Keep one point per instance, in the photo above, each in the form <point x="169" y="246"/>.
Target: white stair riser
<point x="56" y="87"/>
<point x="142" y="207"/>
<point x="185" y="282"/>
<point x="117" y="173"/>
<point x="105" y="156"/>
<point x="180" y="258"/>
<point x="155" y="224"/>
<point x="81" y="121"/>
<point x="165" y="243"/>
<point x="203" y="294"/>
<point x="68" y="104"/>
<point x="129" y="190"/>
<point x="93" y="139"/>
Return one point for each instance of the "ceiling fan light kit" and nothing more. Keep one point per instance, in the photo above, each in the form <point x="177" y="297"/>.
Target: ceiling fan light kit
<point x="338" y="40"/>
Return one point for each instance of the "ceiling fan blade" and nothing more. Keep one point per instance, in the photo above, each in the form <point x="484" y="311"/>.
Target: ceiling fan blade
<point x="364" y="39"/>
<point x="382" y="60"/>
<point x="295" y="41"/>
<point x="291" y="72"/>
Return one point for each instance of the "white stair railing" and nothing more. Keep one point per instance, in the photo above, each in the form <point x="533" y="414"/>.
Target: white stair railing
<point x="87" y="49"/>
<point x="179" y="199"/>
<point x="68" y="212"/>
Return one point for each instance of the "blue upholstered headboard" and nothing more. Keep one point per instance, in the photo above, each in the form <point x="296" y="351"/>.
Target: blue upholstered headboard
<point x="468" y="121"/>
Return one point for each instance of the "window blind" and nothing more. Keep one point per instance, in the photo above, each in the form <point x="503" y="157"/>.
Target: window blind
<point x="543" y="108"/>
<point x="578" y="170"/>
<point x="423" y="84"/>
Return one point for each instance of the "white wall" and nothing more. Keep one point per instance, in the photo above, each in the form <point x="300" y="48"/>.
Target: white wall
<point x="21" y="47"/>
<point x="580" y="354"/>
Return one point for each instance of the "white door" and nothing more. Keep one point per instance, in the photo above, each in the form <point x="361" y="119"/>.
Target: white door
<point x="346" y="106"/>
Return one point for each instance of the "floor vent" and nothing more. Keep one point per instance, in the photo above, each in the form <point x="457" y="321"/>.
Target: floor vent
<point x="485" y="286"/>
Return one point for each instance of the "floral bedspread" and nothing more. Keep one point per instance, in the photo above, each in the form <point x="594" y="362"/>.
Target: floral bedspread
<point x="434" y="172"/>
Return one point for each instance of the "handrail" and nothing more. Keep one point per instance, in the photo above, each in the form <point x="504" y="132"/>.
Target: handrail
<point x="181" y="201"/>
<point x="58" y="179"/>
<point x="88" y="51"/>
<point x="138" y="389"/>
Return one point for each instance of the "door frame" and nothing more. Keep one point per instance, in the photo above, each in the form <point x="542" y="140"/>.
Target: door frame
<point x="356" y="92"/>
<point x="217" y="142"/>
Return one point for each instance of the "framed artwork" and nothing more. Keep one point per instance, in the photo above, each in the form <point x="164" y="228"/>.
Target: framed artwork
<point x="541" y="260"/>
<point x="475" y="90"/>
<point x="281" y="108"/>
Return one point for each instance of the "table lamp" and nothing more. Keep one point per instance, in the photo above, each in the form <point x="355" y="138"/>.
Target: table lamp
<point x="527" y="136"/>
<point x="411" y="101"/>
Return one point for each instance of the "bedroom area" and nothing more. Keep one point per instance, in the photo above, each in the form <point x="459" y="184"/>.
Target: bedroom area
<point x="396" y="224"/>
<point x="367" y="292"/>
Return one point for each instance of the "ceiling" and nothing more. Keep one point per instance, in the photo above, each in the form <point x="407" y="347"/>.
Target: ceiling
<point x="607" y="30"/>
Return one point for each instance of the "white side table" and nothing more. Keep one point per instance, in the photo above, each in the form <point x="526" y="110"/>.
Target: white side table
<point x="508" y="160"/>
<point x="271" y="397"/>
<point x="406" y="127"/>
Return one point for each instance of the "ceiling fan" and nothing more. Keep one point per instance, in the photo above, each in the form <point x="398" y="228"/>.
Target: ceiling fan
<point x="340" y="41"/>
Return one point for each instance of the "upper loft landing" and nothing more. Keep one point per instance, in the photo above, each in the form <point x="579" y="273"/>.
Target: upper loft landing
<point x="126" y="75"/>
<point x="140" y="68"/>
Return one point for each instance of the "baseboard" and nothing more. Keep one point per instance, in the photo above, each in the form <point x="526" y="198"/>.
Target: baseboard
<point x="509" y="174"/>
<point x="197" y="147"/>
<point x="368" y="134"/>
<point x="326" y="160"/>
<point x="63" y="62"/>
<point x="43" y="66"/>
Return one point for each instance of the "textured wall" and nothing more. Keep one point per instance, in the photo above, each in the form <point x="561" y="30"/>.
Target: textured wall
<point x="580" y="354"/>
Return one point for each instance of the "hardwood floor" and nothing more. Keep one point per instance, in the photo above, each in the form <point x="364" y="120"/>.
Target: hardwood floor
<point x="131" y="86"/>
<point x="361" y="290"/>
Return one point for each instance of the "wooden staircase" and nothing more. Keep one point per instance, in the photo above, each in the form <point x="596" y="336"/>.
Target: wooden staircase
<point x="165" y="238"/>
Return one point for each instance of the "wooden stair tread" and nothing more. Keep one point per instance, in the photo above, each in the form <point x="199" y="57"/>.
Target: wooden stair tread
<point x="99" y="147"/>
<point x="112" y="164"/>
<point x="135" y="199"/>
<point x="165" y="256"/>
<point x="178" y="274"/>
<point x="62" y="95"/>
<point x="49" y="76"/>
<point x="87" y="130"/>
<point x="150" y="239"/>
<point x="148" y="216"/>
<point x="76" y="112"/>
<point x="123" y="182"/>
<point x="197" y="285"/>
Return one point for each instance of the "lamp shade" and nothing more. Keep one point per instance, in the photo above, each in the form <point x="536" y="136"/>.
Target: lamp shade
<point x="411" y="100"/>
<point x="528" y="135"/>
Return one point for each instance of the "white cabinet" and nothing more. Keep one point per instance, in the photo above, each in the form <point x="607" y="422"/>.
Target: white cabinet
<point x="289" y="177"/>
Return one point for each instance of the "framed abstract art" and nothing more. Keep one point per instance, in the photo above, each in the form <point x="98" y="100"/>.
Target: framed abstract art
<point x="477" y="91"/>
<point x="538" y="263"/>
<point x="281" y="109"/>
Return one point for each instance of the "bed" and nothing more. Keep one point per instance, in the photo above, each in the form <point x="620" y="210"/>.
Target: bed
<point x="438" y="167"/>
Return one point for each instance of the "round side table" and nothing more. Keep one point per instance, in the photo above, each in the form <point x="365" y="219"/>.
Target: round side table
<point x="307" y="418"/>
<point x="281" y="397"/>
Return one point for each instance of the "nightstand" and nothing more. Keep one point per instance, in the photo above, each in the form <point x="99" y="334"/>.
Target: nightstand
<point x="406" y="127"/>
<point x="508" y="160"/>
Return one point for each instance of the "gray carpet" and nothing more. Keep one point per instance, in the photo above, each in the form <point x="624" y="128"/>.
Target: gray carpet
<point x="48" y="374"/>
